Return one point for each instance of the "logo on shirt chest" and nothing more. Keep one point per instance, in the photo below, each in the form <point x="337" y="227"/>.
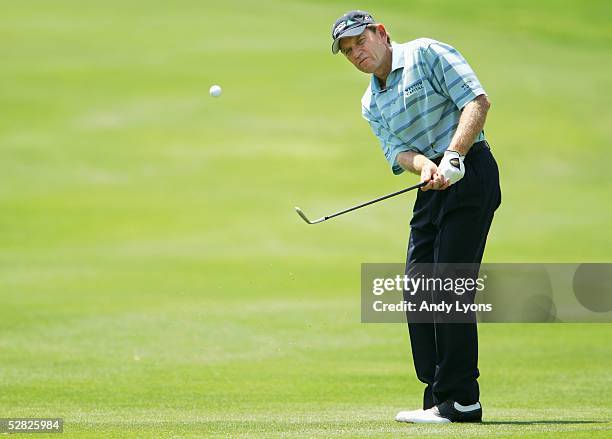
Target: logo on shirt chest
<point x="413" y="89"/>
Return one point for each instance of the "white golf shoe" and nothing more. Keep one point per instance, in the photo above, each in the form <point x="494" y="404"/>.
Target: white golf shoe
<point x="429" y="416"/>
<point x="408" y="416"/>
<point x="444" y="413"/>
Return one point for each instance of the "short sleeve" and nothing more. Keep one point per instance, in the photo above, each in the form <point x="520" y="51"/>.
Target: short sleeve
<point x="451" y="75"/>
<point x="390" y="143"/>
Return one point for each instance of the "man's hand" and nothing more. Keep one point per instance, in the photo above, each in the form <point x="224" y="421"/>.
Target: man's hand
<point x="431" y="173"/>
<point x="451" y="167"/>
<point x="419" y="164"/>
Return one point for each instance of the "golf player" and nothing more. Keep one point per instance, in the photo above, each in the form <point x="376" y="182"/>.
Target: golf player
<point x="427" y="108"/>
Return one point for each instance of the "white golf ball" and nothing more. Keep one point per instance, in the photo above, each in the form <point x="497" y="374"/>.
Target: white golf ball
<point x="215" y="91"/>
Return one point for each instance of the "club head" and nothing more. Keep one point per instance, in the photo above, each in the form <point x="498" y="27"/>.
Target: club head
<point x="305" y="218"/>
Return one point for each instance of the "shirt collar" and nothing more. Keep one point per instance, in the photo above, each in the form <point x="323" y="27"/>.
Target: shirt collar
<point x="397" y="62"/>
<point x="397" y="59"/>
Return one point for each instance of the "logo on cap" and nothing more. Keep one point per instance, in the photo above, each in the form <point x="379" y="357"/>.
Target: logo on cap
<point x="340" y="28"/>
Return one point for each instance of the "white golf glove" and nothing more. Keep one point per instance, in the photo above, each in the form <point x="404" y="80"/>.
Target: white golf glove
<point x="451" y="166"/>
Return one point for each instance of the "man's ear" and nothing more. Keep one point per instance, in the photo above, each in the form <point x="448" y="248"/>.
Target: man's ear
<point x="381" y="31"/>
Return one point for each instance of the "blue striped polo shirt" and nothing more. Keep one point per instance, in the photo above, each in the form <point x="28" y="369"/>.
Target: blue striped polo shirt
<point x="419" y="109"/>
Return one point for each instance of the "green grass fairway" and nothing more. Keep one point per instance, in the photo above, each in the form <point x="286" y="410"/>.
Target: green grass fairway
<point x="154" y="279"/>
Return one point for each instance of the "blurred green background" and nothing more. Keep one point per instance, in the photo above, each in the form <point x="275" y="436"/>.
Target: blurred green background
<point x="154" y="278"/>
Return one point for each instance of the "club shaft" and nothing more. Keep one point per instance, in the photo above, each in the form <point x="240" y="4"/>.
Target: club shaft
<point x="376" y="200"/>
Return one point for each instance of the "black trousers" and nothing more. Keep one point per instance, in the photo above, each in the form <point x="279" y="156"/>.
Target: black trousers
<point x="451" y="226"/>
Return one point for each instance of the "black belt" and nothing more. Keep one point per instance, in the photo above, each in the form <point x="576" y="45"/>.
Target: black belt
<point x="478" y="146"/>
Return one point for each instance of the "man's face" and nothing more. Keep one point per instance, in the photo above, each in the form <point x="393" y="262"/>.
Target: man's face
<point x="366" y="51"/>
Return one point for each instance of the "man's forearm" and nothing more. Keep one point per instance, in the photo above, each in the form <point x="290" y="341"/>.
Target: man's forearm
<point x="412" y="161"/>
<point x="471" y="123"/>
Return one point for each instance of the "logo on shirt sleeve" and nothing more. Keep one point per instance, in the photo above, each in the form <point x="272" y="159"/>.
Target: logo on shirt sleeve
<point x="467" y="85"/>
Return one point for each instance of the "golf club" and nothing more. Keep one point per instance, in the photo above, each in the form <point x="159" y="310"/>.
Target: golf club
<point x="301" y="213"/>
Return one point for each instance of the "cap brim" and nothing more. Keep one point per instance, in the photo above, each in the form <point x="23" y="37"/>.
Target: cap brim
<point x="349" y="33"/>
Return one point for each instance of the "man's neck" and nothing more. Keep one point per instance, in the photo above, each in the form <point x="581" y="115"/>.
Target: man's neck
<point x="385" y="69"/>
